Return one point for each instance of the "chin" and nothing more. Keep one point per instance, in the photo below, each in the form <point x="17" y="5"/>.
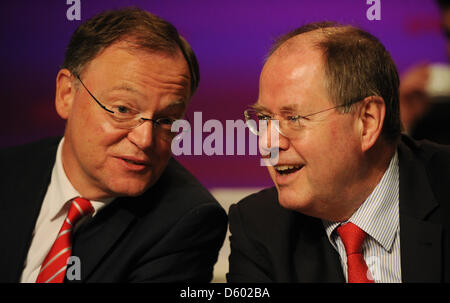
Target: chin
<point x="130" y="188"/>
<point x="287" y="198"/>
<point x="293" y="200"/>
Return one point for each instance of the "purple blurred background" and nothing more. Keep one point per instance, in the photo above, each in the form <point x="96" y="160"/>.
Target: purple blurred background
<point x="230" y="39"/>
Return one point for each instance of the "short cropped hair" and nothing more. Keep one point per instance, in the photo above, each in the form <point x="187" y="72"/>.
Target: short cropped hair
<point x="357" y="66"/>
<point x="142" y="29"/>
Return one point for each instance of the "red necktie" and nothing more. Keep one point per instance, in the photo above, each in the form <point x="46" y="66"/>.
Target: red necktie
<point x="53" y="269"/>
<point x="353" y="237"/>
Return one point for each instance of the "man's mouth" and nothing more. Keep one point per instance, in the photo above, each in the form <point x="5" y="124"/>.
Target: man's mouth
<point x="134" y="162"/>
<point x="287" y="169"/>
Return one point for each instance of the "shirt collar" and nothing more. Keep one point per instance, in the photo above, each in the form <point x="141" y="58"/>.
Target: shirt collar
<point x="378" y="216"/>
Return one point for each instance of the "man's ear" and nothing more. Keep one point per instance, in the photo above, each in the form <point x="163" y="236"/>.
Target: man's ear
<point x="65" y="93"/>
<point x="372" y="114"/>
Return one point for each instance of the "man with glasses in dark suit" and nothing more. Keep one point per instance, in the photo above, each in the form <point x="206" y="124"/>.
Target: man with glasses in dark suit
<point x="108" y="197"/>
<point x="354" y="201"/>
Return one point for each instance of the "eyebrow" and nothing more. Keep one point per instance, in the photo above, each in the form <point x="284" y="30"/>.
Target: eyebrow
<point x="290" y="108"/>
<point x="258" y="107"/>
<point x="175" y="104"/>
<point x="128" y="88"/>
<point x="284" y="108"/>
<point x="124" y="87"/>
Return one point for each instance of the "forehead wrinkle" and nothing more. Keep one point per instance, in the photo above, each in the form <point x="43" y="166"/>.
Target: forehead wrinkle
<point x="169" y="85"/>
<point x="178" y="82"/>
<point x="174" y="78"/>
<point x="295" y="67"/>
<point x="131" y="89"/>
<point x="127" y="88"/>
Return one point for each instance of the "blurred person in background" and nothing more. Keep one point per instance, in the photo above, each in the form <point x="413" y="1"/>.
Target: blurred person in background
<point x="425" y="93"/>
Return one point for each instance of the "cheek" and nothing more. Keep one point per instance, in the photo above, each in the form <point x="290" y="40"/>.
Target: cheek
<point x="272" y="172"/>
<point x="324" y="150"/>
<point x="160" y="150"/>
<point x="338" y="152"/>
<point x="342" y="135"/>
<point x="92" y="133"/>
<point x="103" y="134"/>
<point x="84" y="124"/>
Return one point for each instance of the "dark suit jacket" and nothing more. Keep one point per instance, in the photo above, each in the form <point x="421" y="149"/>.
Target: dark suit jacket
<point x="172" y="233"/>
<point x="272" y="244"/>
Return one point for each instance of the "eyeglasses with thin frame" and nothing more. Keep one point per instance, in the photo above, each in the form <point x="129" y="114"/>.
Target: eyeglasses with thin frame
<point x="289" y="125"/>
<point x="126" y="118"/>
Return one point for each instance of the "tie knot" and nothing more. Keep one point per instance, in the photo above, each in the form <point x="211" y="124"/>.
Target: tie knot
<point x="79" y="208"/>
<point x="352" y="236"/>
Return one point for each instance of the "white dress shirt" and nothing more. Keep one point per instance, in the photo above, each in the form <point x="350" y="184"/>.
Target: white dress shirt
<point x="54" y="209"/>
<point x="378" y="216"/>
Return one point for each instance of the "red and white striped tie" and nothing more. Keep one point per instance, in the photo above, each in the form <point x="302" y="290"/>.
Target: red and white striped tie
<point x="53" y="269"/>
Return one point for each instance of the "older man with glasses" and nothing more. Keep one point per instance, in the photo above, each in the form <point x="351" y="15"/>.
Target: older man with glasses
<point x="354" y="201"/>
<point x="107" y="203"/>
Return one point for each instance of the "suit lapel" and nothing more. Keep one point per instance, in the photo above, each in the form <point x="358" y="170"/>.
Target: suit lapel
<point x="420" y="241"/>
<point x="22" y="205"/>
<point x="315" y="259"/>
<point x="420" y="250"/>
<point x="94" y="240"/>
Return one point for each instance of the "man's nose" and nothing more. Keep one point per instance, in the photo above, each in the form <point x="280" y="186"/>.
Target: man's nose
<point x="142" y="136"/>
<point x="271" y="140"/>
